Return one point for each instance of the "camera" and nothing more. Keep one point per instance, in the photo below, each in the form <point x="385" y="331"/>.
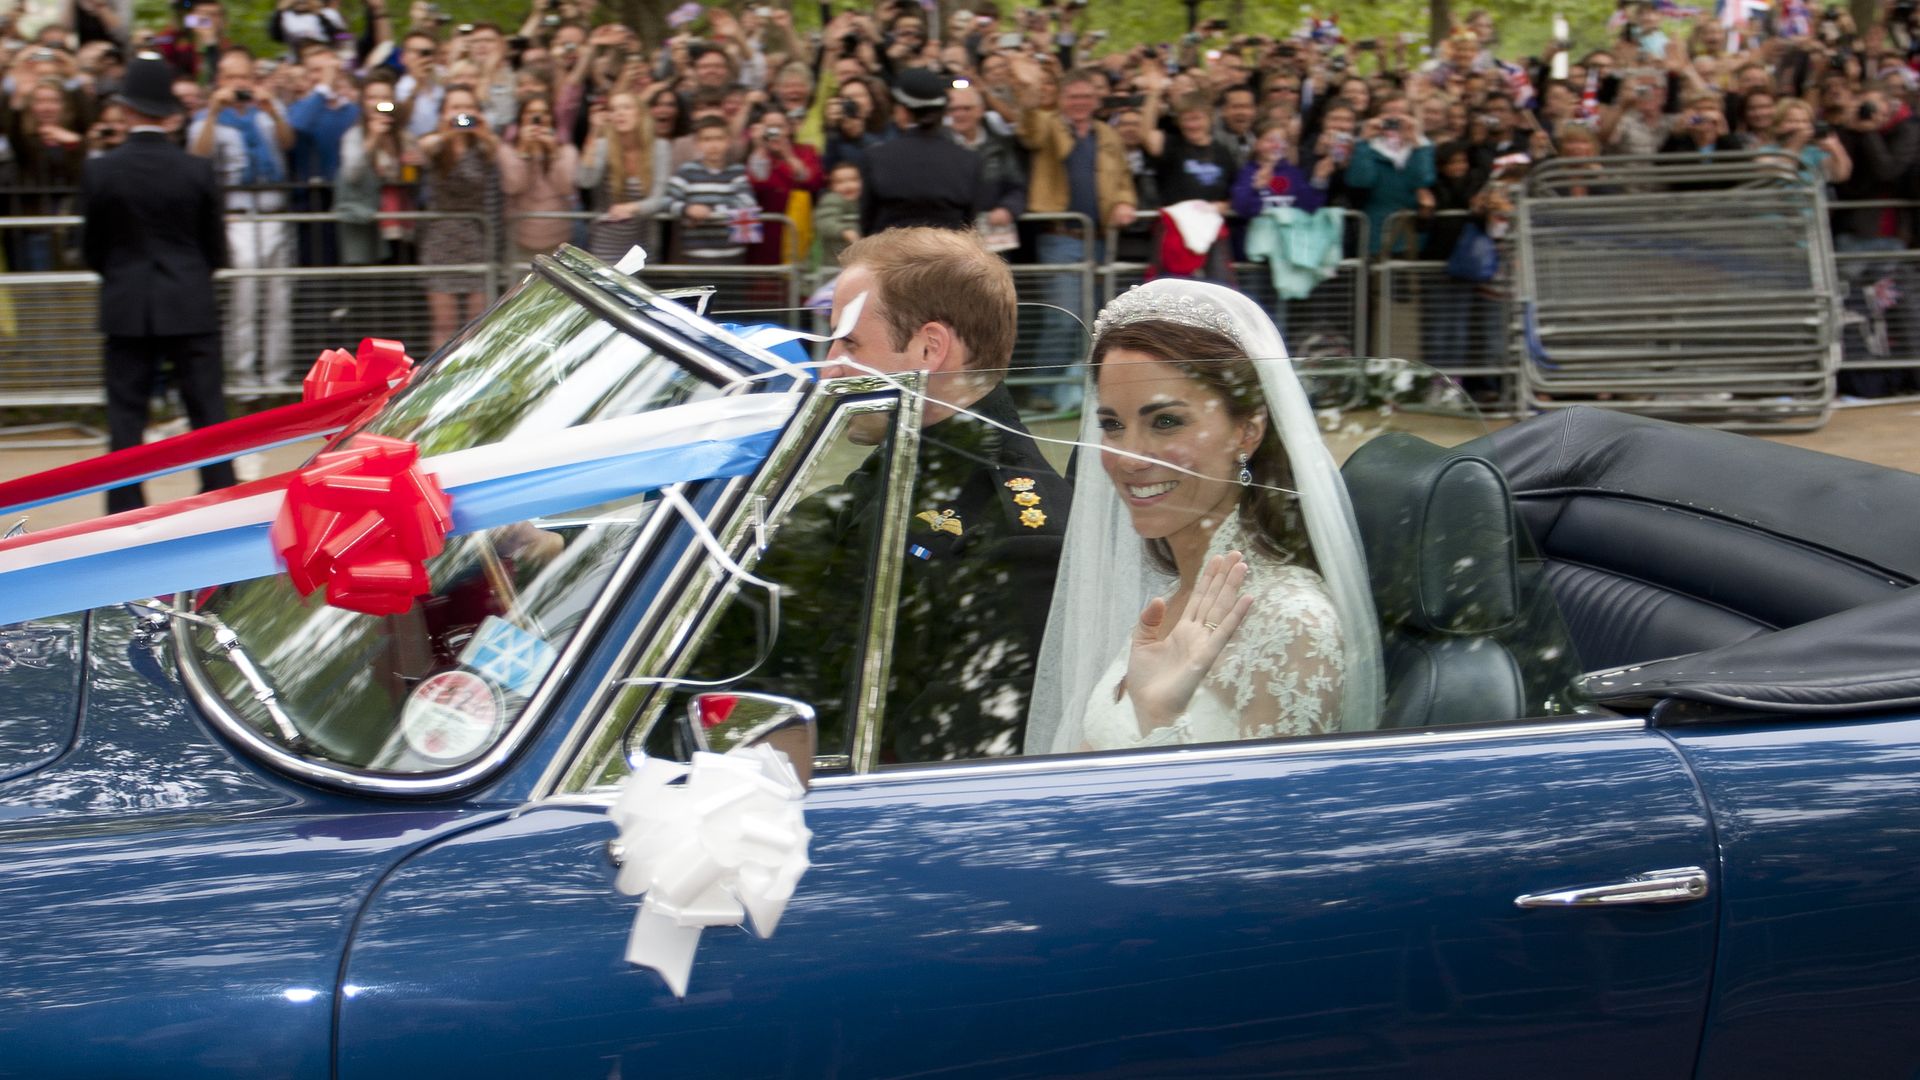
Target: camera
<point x="463" y="120"/>
<point x="464" y="28"/>
<point x="1366" y="44"/>
<point x="848" y="108"/>
<point x="1391" y="123"/>
<point x="1865" y="111"/>
<point x="636" y="58"/>
<point x="383" y="106"/>
<point x="549" y="21"/>
<point x="1010" y="40"/>
<point x="1213" y="26"/>
<point x="768" y="135"/>
<point x="243" y="95"/>
<point x="1822" y="130"/>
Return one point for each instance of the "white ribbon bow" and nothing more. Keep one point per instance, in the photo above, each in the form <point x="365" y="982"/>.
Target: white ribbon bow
<point x="727" y="844"/>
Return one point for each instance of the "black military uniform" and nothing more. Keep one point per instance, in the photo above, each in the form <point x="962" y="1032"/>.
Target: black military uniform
<point x="988" y="515"/>
<point x="154" y="233"/>
<point x="921" y="177"/>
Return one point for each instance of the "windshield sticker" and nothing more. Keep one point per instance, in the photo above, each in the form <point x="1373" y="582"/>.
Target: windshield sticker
<point x="508" y="656"/>
<point x="451" y="716"/>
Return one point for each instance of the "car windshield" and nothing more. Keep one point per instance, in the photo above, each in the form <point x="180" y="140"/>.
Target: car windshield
<point x="437" y="686"/>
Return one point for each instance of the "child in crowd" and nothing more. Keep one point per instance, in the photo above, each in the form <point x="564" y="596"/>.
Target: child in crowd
<point x="705" y="192"/>
<point x="836" y="221"/>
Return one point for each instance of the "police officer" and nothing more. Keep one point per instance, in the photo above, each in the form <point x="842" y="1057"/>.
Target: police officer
<point x="153" y="232"/>
<point x="922" y="177"/>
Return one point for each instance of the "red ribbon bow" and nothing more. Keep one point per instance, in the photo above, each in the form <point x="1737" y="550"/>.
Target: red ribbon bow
<point x="363" y="521"/>
<point x="377" y="364"/>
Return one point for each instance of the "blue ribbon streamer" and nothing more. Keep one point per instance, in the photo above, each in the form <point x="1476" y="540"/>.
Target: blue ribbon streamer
<point x="239" y="554"/>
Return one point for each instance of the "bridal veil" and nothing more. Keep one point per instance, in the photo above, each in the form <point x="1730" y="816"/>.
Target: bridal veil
<point x="1105" y="577"/>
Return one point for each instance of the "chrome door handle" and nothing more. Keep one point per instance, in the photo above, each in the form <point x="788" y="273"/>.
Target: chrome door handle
<point x="1677" y="886"/>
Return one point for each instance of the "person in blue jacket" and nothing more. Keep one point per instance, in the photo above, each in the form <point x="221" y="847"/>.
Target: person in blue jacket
<point x="1392" y="168"/>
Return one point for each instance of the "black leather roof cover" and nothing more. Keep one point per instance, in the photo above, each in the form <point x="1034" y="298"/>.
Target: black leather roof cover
<point x="1856" y="660"/>
<point x="1868" y="512"/>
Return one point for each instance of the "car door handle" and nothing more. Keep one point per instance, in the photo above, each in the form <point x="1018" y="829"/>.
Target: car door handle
<point x="1677" y="886"/>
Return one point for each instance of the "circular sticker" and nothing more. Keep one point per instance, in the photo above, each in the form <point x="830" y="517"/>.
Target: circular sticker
<point x="450" y="716"/>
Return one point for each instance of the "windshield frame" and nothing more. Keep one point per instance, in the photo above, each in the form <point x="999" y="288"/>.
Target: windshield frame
<point x="676" y="335"/>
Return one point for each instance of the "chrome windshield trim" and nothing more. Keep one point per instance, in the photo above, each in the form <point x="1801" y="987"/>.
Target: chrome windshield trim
<point x="635" y="322"/>
<point x="1111" y="760"/>
<point x="1225" y="752"/>
<point x="681" y="615"/>
<point x="877" y="659"/>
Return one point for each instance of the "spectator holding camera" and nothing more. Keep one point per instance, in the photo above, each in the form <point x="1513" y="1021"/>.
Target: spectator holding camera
<point x="1392" y="168"/>
<point x="778" y="168"/>
<point x="462" y="177"/>
<point x="1272" y="179"/>
<point x="1818" y="149"/>
<point x="537" y="176"/>
<point x="855" y="125"/>
<point x="246" y="133"/>
<point x="373" y="177"/>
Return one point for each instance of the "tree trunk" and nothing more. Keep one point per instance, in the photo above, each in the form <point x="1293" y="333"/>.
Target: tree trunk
<point x="1440" y="24"/>
<point x="647" y="17"/>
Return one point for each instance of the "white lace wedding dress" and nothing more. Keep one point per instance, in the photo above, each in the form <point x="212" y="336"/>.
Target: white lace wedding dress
<point x="1281" y="675"/>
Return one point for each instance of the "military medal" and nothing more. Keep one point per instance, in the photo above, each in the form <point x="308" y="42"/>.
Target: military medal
<point x="1024" y="496"/>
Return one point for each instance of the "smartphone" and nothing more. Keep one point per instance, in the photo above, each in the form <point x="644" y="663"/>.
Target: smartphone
<point x="1609" y="91"/>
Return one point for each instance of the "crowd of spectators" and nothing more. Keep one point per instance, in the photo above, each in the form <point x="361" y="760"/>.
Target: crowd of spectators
<point x="676" y="143"/>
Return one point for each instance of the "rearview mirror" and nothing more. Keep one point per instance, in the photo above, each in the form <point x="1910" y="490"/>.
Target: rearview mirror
<point x="721" y="721"/>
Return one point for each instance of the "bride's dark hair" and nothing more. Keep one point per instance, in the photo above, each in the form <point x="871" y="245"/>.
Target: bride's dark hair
<point x="1216" y="361"/>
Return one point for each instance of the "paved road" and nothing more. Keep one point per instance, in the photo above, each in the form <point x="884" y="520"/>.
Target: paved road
<point x="1884" y="434"/>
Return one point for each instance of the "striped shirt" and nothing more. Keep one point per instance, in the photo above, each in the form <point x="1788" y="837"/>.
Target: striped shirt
<point x="723" y="191"/>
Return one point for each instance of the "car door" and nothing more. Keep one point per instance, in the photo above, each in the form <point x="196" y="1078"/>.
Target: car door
<point x="1343" y="904"/>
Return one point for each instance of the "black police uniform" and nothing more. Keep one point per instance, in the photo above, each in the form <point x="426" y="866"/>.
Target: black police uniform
<point x="921" y="177"/>
<point x="154" y="233"/>
<point x="988" y="516"/>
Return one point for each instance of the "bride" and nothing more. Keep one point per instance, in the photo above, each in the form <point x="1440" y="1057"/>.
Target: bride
<point x="1212" y="587"/>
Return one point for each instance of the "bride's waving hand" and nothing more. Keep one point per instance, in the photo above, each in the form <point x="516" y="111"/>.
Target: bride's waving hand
<point x="1169" y="659"/>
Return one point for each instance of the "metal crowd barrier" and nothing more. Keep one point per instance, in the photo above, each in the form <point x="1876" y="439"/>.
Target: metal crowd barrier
<point x="279" y="316"/>
<point x="1880" y="292"/>
<point x="1711" y="302"/>
<point x="1459" y="328"/>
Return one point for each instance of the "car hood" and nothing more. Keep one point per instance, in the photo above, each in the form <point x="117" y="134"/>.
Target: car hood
<point x="41" y="666"/>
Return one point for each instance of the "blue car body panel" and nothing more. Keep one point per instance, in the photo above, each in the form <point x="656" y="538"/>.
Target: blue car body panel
<point x="1819" y="971"/>
<point x="41" y="675"/>
<point x="1269" y="914"/>
<point x="171" y="908"/>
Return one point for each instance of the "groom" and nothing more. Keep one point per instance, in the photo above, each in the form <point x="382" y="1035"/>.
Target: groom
<point x="987" y="512"/>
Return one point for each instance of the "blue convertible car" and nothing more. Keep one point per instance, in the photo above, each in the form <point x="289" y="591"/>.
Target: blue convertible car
<point x="1644" y="799"/>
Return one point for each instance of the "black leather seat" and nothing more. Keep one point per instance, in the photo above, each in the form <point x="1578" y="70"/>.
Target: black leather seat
<point x="1663" y="540"/>
<point x="1443" y="555"/>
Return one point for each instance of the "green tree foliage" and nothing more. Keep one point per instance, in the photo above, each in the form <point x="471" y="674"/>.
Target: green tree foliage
<point x="1524" y="24"/>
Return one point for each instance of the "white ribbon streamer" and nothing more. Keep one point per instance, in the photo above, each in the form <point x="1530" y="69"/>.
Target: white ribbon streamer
<point x="727" y="844"/>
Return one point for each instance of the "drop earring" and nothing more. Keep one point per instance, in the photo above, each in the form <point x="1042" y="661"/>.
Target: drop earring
<point x="1246" y="474"/>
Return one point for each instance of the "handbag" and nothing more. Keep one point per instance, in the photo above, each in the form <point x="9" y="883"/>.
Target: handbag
<point x="1475" y="257"/>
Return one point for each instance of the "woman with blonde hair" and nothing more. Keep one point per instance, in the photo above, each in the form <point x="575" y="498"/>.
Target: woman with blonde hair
<point x="628" y="172"/>
<point x="1794" y="134"/>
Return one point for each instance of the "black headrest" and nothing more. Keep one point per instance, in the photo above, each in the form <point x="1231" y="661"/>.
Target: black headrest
<point x="1864" y="512"/>
<point x="1438" y="527"/>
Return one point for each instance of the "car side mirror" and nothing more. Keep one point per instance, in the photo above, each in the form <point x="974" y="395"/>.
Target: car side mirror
<point x="722" y="720"/>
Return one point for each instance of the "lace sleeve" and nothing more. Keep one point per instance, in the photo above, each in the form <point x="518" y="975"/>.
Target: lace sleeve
<point x="1282" y="674"/>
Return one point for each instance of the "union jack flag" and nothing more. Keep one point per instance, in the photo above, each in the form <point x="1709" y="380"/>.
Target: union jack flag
<point x="743" y="227"/>
<point x="1518" y="84"/>
<point x="1736" y="15"/>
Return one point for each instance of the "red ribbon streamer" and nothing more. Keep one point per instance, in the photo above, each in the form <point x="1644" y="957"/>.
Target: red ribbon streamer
<point x="338" y="390"/>
<point x="362" y="522"/>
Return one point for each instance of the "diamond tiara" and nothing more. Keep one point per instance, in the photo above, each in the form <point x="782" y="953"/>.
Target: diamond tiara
<point x="1138" y="305"/>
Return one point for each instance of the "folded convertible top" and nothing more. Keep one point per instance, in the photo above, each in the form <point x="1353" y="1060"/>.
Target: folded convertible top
<point x="1863" y="658"/>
